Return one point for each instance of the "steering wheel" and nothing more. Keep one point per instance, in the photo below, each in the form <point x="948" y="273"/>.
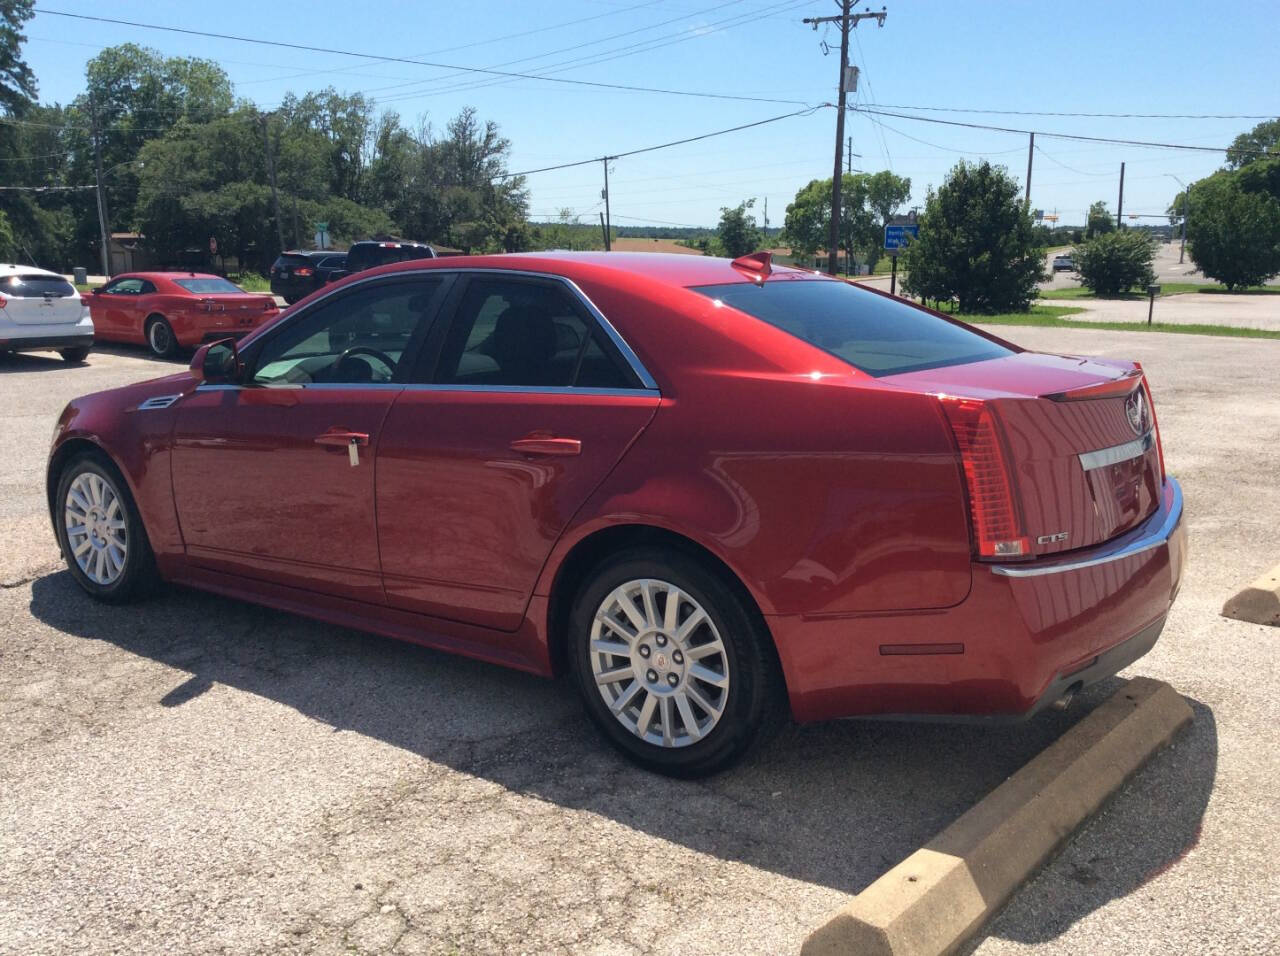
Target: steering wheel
<point x="355" y="350"/>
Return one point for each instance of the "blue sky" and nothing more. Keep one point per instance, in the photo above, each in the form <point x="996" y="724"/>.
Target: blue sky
<point x="1097" y="57"/>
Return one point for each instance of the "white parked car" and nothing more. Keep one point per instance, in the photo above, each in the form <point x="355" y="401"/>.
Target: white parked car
<point x="40" y="310"/>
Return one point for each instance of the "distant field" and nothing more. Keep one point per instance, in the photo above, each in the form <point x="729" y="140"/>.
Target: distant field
<point x="652" y="245"/>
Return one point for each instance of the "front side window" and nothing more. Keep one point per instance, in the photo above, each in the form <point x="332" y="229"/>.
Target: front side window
<point x="876" y="334"/>
<point x="512" y="333"/>
<point x="353" y="338"/>
<point x="123" y="287"/>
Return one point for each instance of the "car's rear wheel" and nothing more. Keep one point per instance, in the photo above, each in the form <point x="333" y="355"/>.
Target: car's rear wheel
<point x="160" y="338"/>
<point x="74" y="355"/>
<point x="672" y="667"/>
<point x="100" y="531"/>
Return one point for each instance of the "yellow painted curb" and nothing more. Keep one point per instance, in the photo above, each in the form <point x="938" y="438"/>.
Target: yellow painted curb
<point x="938" y="897"/>
<point x="1259" y="603"/>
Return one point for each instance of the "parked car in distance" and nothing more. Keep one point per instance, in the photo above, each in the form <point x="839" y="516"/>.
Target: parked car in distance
<point x="370" y="253"/>
<point x="1064" y="263"/>
<point x="825" y="498"/>
<point x="170" y="310"/>
<point x="296" y="274"/>
<point x="41" y="310"/>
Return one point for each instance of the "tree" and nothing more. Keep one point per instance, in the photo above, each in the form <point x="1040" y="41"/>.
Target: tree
<point x="1100" y="220"/>
<point x="867" y="201"/>
<point x="976" y="244"/>
<point x="17" y="82"/>
<point x="1233" y="232"/>
<point x="1261" y="141"/>
<point x="1115" y="262"/>
<point x="886" y="193"/>
<point x="737" y="233"/>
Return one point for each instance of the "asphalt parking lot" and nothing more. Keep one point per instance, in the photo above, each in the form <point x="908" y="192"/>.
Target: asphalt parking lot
<point x="199" y="775"/>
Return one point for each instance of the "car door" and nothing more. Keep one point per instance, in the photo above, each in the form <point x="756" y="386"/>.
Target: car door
<point x="111" y="307"/>
<point x="273" y="478"/>
<point x="522" y="403"/>
<point x="137" y="309"/>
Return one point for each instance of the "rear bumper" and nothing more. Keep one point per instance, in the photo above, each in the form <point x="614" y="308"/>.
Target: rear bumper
<point x="1026" y="634"/>
<point x="65" y="340"/>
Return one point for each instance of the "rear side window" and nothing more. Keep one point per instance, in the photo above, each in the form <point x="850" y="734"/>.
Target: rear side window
<point x="873" y="333"/>
<point x="36" y="286"/>
<point x="512" y="333"/>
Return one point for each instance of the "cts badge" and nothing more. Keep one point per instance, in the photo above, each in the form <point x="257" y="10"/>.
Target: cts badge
<point x="1052" y="538"/>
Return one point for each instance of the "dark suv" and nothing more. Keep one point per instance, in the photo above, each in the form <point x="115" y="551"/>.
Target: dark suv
<point x="378" y="252"/>
<point x="295" y="275"/>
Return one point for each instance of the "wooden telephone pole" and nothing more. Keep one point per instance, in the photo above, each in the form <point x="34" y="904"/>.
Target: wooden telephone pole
<point x="847" y="20"/>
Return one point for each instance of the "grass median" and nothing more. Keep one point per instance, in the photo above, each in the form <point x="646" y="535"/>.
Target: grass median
<point x="1166" y="288"/>
<point x="1056" y="317"/>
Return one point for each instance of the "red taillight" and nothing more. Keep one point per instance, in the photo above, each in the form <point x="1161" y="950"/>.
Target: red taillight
<point x="1155" y="421"/>
<point x="302" y="271"/>
<point x="997" y="524"/>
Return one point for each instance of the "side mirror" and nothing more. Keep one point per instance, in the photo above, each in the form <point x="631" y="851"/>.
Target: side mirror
<point x="95" y="290"/>
<point x="218" y="362"/>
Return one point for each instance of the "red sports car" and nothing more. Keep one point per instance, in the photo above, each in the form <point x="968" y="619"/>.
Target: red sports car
<point x="172" y="310"/>
<point x="703" y="488"/>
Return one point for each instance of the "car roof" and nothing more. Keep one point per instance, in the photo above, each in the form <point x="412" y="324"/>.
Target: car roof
<point x="669" y="269"/>
<point x="11" y="269"/>
<point x="171" y="276"/>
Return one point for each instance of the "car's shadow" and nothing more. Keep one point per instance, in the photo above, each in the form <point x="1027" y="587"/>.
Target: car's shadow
<point x="834" y="804"/>
<point x="51" y="361"/>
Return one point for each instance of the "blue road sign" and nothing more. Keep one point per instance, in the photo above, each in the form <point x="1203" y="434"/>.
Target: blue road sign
<point x="896" y="237"/>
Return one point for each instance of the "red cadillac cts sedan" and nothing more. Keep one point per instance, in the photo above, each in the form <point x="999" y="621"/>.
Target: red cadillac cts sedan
<point x="705" y="489"/>
<point x="170" y="310"/>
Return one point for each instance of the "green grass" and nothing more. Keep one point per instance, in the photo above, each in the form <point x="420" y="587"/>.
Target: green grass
<point x="1055" y="317"/>
<point x="1166" y="288"/>
<point x="251" y="282"/>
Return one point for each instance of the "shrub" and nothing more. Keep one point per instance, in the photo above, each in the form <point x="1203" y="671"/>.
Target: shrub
<point x="1233" y="233"/>
<point x="1115" y="262"/>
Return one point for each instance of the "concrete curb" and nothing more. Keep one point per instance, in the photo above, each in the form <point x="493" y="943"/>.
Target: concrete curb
<point x="1259" y="603"/>
<point x="938" y="897"/>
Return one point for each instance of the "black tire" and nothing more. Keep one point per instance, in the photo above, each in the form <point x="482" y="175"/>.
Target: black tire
<point x="138" y="577"/>
<point x="754" y="690"/>
<point x="75" y="355"/>
<point x="160" y="338"/>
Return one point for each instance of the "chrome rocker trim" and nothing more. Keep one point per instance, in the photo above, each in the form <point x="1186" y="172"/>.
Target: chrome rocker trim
<point x="1155" y="533"/>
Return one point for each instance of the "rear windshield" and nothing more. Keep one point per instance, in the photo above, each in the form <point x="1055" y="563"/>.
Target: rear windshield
<point x="35" y="286"/>
<point x="208" y="286"/>
<point x="873" y="333"/>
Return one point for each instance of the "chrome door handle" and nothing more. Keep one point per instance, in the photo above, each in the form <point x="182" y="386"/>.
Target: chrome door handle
<point x="546" y="445"/>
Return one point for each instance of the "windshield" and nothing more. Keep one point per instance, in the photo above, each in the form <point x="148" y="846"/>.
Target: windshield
<point x="208" y="286"/>
<point x="35" y="286"/>
<point x="877" y="334"/>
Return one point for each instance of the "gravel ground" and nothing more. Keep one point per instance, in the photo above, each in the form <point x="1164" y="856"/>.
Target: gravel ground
<point x="199" y="775"/>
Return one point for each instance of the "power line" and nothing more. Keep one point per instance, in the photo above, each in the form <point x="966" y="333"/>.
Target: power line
<point x="417" y="62"/>
<point x="677" y="142"/>
<point x="957" y="109"/>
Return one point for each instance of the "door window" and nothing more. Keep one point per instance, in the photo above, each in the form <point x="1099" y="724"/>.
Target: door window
<point x="124" y="287"/>
<point x="356" y="338"/>
<point x="509" y="332"/>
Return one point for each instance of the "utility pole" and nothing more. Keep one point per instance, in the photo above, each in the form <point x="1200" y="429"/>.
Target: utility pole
<point x="604" y="194"/>
<point x="1120" y="201"/>
<point x="848" y="21"/>
<point x="271" y="170"/>
<point x="104" y="237"/>
<point x="1031" y="151"/>
<point x="1186" y="211"/>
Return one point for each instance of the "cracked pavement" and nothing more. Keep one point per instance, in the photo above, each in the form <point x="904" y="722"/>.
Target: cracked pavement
<point x="195" y="774"/>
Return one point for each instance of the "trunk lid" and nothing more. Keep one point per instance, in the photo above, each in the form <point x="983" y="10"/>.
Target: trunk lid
<point x="1079" y="436"/>
<point x="36" y="299"/>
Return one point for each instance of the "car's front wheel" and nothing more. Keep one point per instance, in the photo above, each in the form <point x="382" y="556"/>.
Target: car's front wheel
<point x="672" y="667"/>
<point x="100" y="531"/>
<point x="160" y="338"/>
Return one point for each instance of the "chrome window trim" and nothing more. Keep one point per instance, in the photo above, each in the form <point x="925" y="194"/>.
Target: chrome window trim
<point x="628" y="354"/>
<point x="1093" y="460"/>
<point x="1147" y="540"/>
<point x="500" y="389"/>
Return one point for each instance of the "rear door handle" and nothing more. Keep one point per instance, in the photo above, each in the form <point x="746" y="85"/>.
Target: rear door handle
<point x="546" y="445"/>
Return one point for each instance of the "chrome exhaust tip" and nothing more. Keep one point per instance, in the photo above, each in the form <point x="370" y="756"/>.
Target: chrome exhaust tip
<point x="1063" y="702"/>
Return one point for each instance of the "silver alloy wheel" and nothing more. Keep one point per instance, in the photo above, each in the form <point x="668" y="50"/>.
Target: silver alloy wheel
<point x="97" y="532"/>
<point x="659" y="663"/>
<point x="159" y="337"/>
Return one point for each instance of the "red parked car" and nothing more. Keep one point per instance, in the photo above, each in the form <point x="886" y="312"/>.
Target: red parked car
<point x="701" y="487"/>
<point x="171" y="310"/>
